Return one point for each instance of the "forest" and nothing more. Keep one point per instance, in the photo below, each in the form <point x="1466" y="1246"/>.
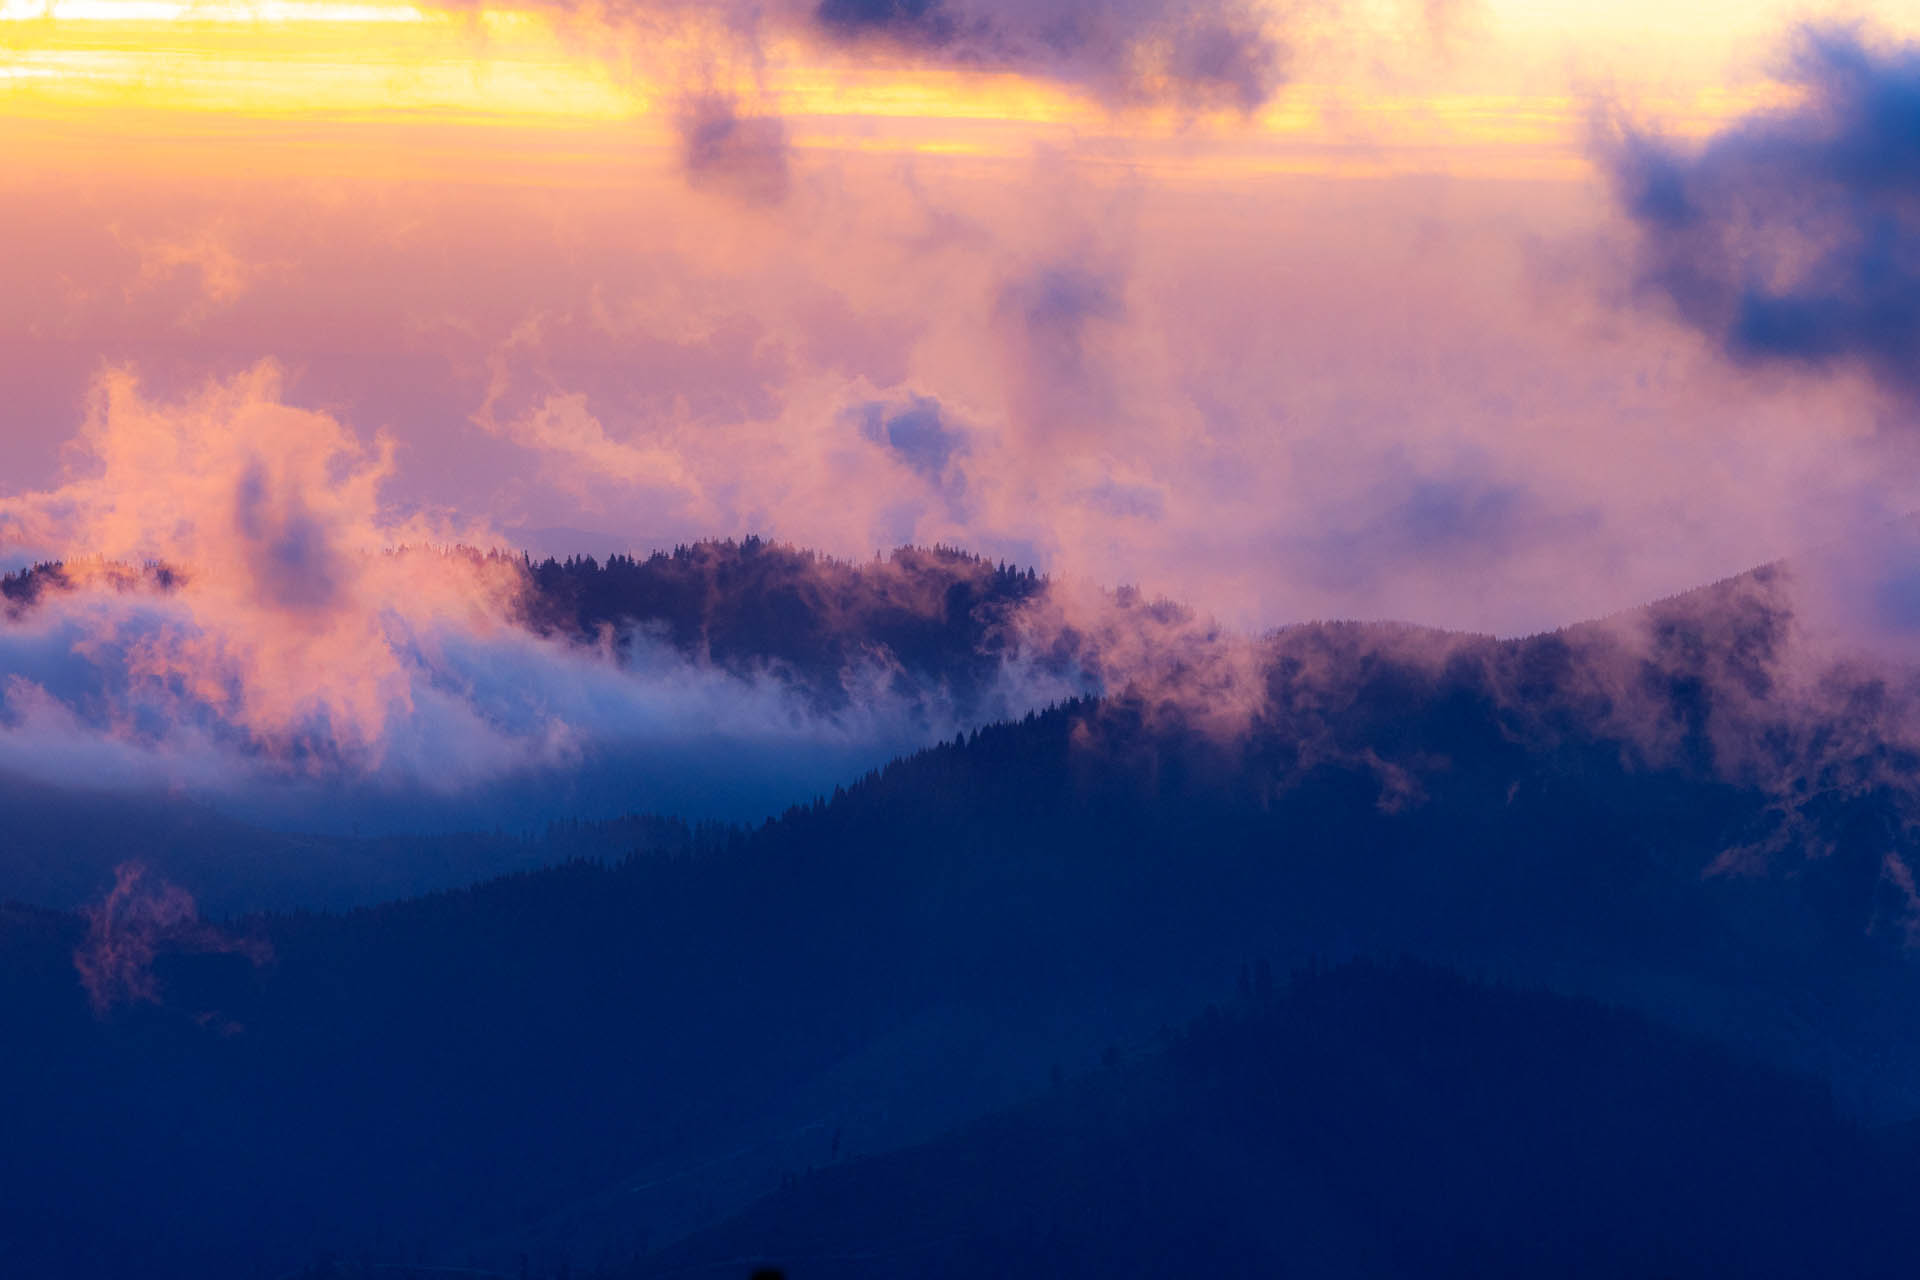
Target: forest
<point x="646" y="1026"/>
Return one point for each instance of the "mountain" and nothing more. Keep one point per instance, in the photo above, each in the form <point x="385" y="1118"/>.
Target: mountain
<point x="589" y="1061"/>
<point x="64" y="844"/>
<point x="571" y="1062"/>
<point x="1363" y="1121"/>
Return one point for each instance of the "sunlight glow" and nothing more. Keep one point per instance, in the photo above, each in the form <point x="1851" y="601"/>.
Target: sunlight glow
<point x="91" y="63"/>
<point x="224" y="11"/>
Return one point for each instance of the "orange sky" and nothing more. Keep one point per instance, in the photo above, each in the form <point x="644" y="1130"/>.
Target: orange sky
<point x="1503" y="87"/>
<point x="1207" y="351"/>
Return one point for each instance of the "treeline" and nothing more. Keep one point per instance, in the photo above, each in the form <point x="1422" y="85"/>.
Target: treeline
<point x="939" y="616"/>
<point x="935" y="618"/>
<point x="23" y="588"/>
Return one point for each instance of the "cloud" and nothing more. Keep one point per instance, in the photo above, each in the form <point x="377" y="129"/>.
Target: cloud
<point x="744" y="156"/>
<point x="129" y="929"/>
<point x="1793" y="237"/>
<point x="204" y="257"/>
<point x="296" y="647"/>
<point x="1205" y="54"/>
<point x="1152" y="655"/>
<point x="1193" y="56"/>
<point x="572" y="440"/>
<point x="293" y="649"/>
<point x="1156" y="384"/>
<point x="271" y="514"/>
<point x="1058" y="322"/>
<point x="1125" y="501"/>
<point x="1056" y="306"/>
<point x="925" y="442"/>
<point x="1439" y="519"/>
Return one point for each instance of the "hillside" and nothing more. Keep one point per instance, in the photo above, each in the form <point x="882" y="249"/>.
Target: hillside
<point x="62" y="846"/>
<point x="580" y="1061"/>
<point x="575" y="1062"/>
<point x="1363" y="1121"/>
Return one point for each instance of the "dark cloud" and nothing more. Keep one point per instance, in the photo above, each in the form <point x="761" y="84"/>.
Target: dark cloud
<point x="287" y="548"/>
<point x="1195" y="53"/>
<point x="1056" y="307"/>
<point x="921" y="435"/>
<point x="1897" y="599"/>
<point x="1060" y="325"/>
<point x="744" y="156"/>
<point x="1794" y="236"/>
<point x="1125" y="501"/>
<point x="917" y="434"/>
<point x="1461" y="519"/>
<point x="923" y="22"/>
<point x="1442" y="514"/>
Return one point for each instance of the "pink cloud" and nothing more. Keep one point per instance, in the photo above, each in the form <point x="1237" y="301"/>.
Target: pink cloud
<point x="134" y="925"/>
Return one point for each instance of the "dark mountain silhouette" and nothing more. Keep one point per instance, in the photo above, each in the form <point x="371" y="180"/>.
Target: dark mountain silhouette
<point x="586" y="1062"/>
<point x="1364" y="1121"/>
<point x="574" y="1062"/>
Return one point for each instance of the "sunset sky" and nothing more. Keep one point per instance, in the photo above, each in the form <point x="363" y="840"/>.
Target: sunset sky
<point x="1289" y="311"/>
<point x="659" y="637"/>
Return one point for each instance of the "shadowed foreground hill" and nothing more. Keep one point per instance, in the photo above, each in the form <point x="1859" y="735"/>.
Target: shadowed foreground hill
<point x="583" y="1063"/>
<point x="1366" y="1121"/>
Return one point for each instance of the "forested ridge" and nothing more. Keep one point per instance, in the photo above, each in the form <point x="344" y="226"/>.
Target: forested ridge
<point x="1365" y="1120"/>
<point x="583" y="1063"/>
<point x="933" y="616"/>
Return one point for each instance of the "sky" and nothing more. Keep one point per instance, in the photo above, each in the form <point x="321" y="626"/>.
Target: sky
<point x="1492" y="316"/>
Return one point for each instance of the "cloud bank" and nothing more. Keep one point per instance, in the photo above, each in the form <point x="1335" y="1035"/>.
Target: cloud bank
<point x="295" y="648"/>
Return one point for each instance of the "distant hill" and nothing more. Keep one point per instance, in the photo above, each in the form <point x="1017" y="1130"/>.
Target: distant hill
<point x="62" y="846"/>
<point x="1364" y="1121"/>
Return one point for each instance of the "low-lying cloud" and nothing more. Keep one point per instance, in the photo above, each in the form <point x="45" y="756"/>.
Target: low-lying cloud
<point x="138" y="920"/>
<point x="304" y="639"/>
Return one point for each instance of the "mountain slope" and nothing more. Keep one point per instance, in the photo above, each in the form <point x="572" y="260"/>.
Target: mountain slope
<point x="1366" y="1121"/>
<point x="571" y="1061"/>
<point x="59" y="847"/>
